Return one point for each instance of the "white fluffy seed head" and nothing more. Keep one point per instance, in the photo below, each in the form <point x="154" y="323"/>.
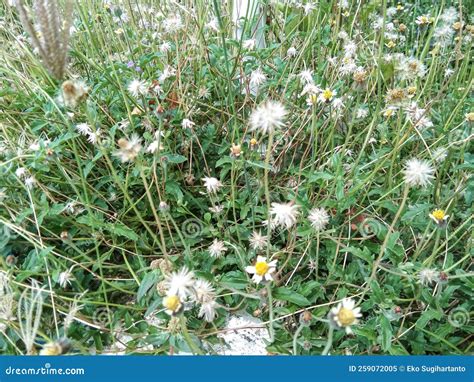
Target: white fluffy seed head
<point x="268" y="117"/>
<point x="418" y="172"/>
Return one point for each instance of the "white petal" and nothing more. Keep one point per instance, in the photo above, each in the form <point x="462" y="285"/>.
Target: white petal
<point x="257" y="278"/>
<point x="250" y="269"/>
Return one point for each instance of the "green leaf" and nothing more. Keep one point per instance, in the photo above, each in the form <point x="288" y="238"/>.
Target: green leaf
<point x="290" y="296"/>
<point x="148" y="281"/>
<point x="122" y="230"/>
<point x="175" y="158"/>
<point x="427" y="316"/>
<point x="386" y="333"/>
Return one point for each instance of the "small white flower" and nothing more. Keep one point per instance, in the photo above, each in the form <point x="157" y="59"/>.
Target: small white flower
<point x="173" y="24"/>
<point x="173" y="304"/>
<point x="168" y="72"/>
<point x="344" y="315"/>
<point x="257" y="77"/>
<point x="440" y="154"/>
<point x="30" y="181"/>
<point x="83" y="129"/>
<point x="208" y="310"/>
<point x="65" y="278"/>
<point x="128" y="149"/>
<point x="306" y="76"/>
<point x="268" y="117"/>
<point x="418" y="172"/>
<point x="187" y="124"/>
<point x="262" y="270"/>
<point x="292" y="52"/>
<point x="249" y="44"/>
<point x="153" y="147"/>
<point x="20" y="172"/>
<point x="165" y="47"/>
<point x="326" y="95"/>
<point x="180" y="283"/>
<point x="284" y="214"/>
<point x="217" y="248"/>
<point x="258" y="241"/>
<point x="203" y="290"/>
<point x="94" y="136"/>
<point x="212" y="184"/>
<point x="361" y="113"/>
<point x="137" y="88"/>
<point x="428" y="276"/>
<point x="319" y="218"/>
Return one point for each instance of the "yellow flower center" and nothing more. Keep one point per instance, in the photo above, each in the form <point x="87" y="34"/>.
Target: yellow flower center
<point x="253" y="141"/>
<point x="346" y="316"/>
<point x="327" y="94"/>
<point x="172" y="303"/>
<point x="438" y="214"/>
<point x="261" y="268"/>
<point x="313" y="98"/>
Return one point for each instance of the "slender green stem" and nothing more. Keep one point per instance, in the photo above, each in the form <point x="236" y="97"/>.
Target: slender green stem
<point x="329" y="342"/>
<point x="270" y="310"/>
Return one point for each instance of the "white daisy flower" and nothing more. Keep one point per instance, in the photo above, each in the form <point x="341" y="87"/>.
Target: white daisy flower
<point x="180" y="283"/>
<point x="268" y="117"/>
<point x="137" y="88"/>
<point x="262" y="270"/>
<point x="326" y="95"/>
<point x="418" y="172"/>
<point x="344" y="315"/>
<point x="173" y="304"/>
<point x="284" y="214"/>
<point x="319" y="218"/>
<point x="212" y="184"/>
<point x="217" y="248"/>
<point x="439" y="217"/>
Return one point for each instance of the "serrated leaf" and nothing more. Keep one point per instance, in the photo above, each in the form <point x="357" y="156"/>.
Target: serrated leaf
<point x="122" y="230"/>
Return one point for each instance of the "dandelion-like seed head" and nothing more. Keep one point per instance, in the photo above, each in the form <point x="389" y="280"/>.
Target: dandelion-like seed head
<point x="418" y="172"/>
<point x="283" y="215"/>
<point x="268" y="117"/>
<point x="319" y="218"/>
